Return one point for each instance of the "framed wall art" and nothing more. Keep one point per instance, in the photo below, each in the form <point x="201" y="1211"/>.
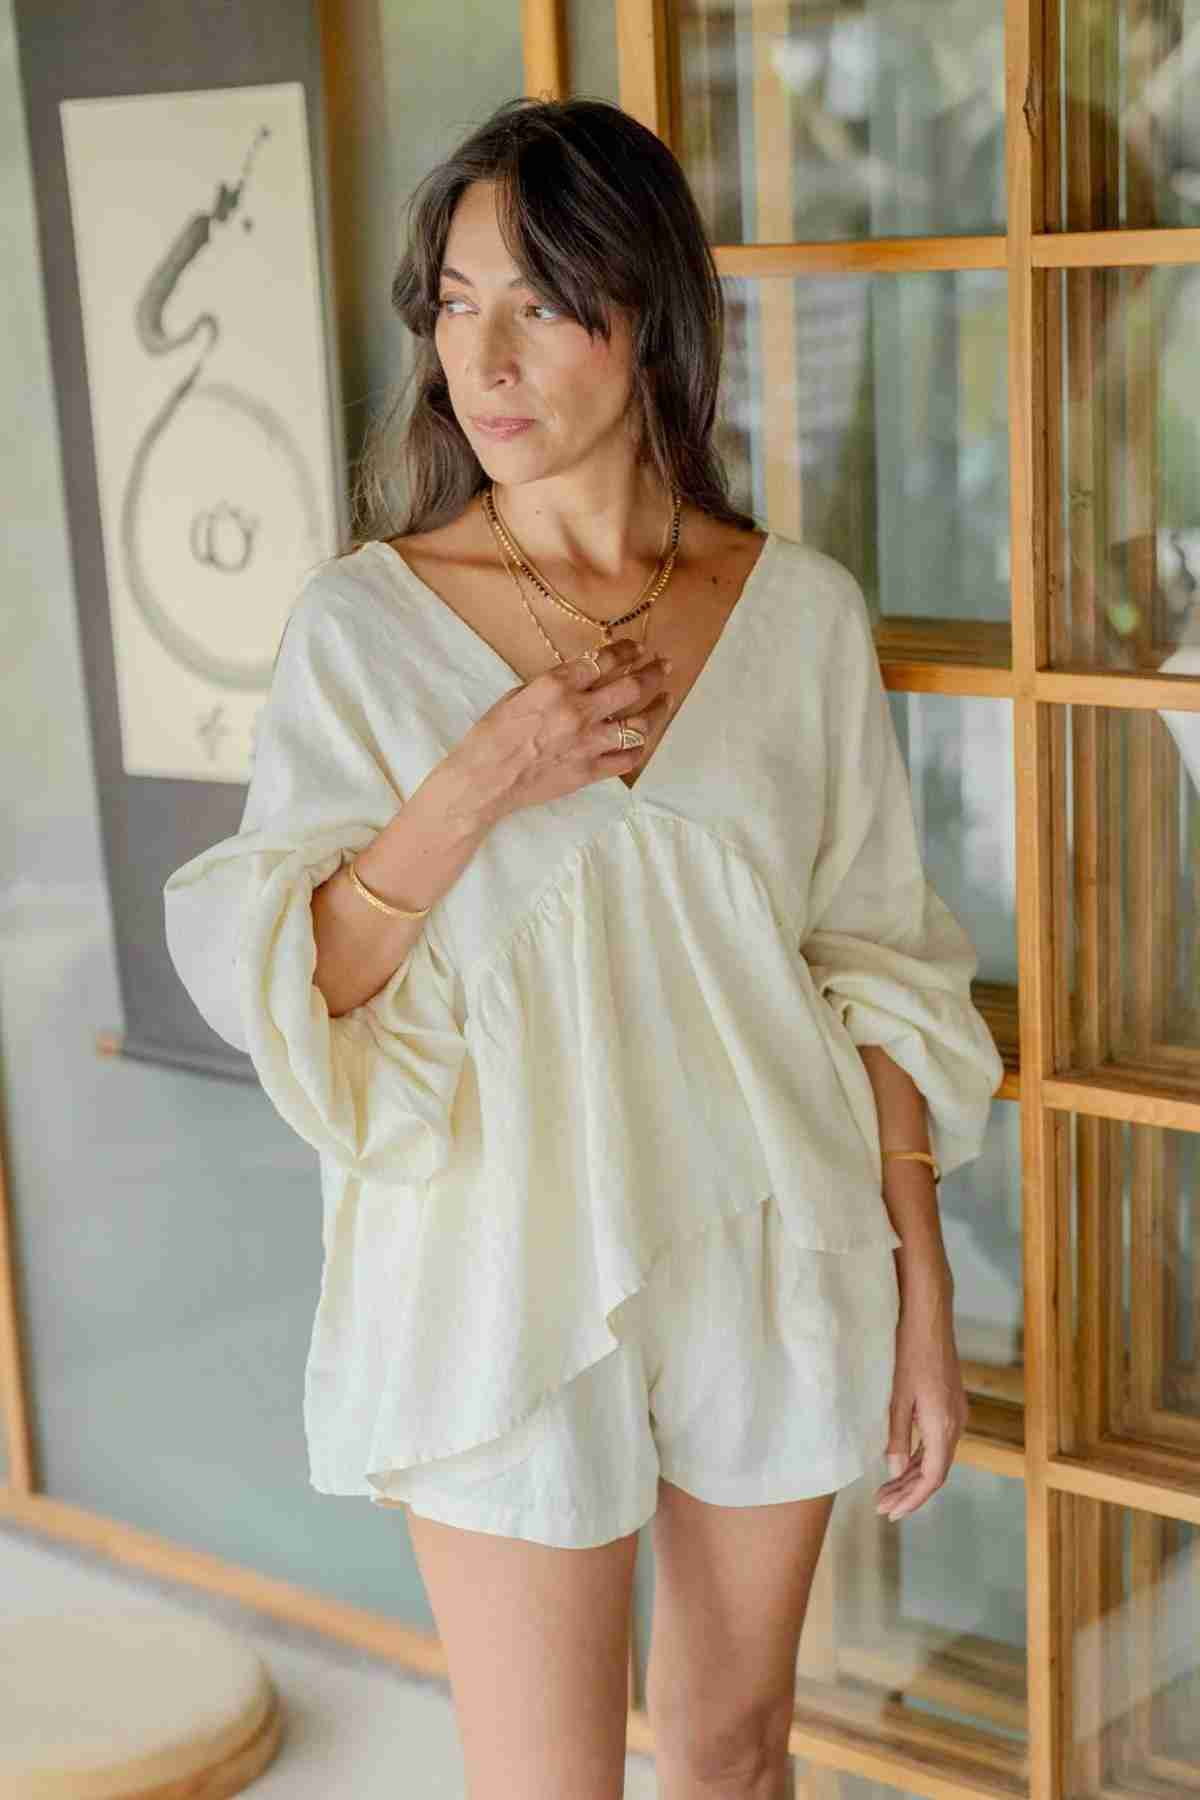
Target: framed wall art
<point x="179" y="175"/>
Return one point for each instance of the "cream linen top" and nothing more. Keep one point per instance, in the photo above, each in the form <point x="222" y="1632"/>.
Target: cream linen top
<point x="635" y="1013"/>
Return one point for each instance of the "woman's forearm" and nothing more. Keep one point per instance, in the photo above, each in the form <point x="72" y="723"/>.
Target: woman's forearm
<point x="909" y="1190"/>
<point x="412" y="862"/>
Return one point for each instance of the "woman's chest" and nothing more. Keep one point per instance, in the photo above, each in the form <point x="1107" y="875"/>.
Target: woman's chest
<point x="528" y="630"/>
<point x="688" y="620"/>
<point x="741" y="765"/>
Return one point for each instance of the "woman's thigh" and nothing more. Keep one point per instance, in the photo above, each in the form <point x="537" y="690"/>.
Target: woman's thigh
<point x="770" y="1384"/>
<point x="731" y="1592"/>
<point x="537" y="1646"/>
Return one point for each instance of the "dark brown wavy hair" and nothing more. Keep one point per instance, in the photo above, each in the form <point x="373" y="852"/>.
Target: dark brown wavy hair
<point x="594" y="210"/>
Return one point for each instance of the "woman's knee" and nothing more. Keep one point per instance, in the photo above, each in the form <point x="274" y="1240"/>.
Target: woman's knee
<point x="733" y="1753"/>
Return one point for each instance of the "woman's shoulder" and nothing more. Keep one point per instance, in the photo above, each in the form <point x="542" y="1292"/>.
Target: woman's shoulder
<point x="344" y="619"/>
<point x="824" y="596"/>
<point x="354" y="593"/>
<point x="820" y="570"/>
<point x="447" y="545"/>
<point x="450" y="540"/>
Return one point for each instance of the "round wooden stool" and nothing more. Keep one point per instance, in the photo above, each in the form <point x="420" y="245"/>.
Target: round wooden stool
<point x="116" y="1705"/>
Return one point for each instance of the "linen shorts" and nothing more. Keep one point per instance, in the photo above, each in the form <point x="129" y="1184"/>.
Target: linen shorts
<point x="749" y="1370"/>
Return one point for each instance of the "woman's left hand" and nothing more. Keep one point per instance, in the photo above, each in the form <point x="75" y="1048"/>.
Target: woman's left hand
<point x="927" y="1388"/>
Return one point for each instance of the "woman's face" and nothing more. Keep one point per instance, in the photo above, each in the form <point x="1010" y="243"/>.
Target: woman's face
<point x="509" y="355"/>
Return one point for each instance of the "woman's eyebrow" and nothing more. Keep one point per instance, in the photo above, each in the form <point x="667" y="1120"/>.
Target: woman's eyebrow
<point x="449" y="274"/>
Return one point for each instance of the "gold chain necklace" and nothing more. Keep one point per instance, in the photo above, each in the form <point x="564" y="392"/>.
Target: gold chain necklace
<point x="512" y="555"/>
<point x="605" y="626"/>
<point x="552" y="593"/>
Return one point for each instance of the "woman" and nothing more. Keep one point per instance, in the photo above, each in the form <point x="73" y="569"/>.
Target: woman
<point x="579" y="923"/>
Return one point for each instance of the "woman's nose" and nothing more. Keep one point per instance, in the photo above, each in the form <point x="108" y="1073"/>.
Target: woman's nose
<point x="493" y="352"/>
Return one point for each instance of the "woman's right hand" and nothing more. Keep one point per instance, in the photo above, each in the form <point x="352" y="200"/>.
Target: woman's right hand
<point x="557" y="732"/>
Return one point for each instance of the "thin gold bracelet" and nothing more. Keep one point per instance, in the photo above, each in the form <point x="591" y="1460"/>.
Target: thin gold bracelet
<point x="394" y="912"/>
<point x="916" y="1156"/>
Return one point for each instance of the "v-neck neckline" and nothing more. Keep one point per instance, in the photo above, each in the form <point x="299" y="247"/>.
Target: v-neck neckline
<point x="753" y="581"/>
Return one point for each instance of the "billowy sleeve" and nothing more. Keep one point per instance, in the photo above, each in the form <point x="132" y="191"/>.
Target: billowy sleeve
<point x="883" y="948"/>
<point x="374" y="1088"/>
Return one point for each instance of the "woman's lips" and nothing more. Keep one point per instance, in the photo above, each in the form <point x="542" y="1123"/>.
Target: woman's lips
<point x="502" y="428"/>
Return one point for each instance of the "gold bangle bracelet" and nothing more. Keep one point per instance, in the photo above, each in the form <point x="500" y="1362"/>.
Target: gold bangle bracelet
<point x="916" y="1156"/>
<point x="394" y="912"/>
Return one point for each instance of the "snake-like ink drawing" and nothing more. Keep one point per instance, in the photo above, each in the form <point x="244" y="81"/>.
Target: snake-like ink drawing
<point x="221" y="536"/>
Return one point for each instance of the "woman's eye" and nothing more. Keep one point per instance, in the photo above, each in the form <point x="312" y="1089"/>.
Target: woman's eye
<point x="544" y="306"/>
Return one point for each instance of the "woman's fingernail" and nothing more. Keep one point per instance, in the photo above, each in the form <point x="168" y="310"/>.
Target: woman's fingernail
<point x="667" y="664"/>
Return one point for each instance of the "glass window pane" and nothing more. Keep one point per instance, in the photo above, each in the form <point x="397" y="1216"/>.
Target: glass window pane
<point x="591" y="33"/>
<point x="868" y="416"/>
<point x="959" y="754"/>
<point x="980" y="1209"/>
<point x="1128" y="563"/>
<point x="1131" y="1653"/>
<point x="926" y="1615"/>
<point x="816" y="121"/>
<point x="1129" y="122"/>
<point x="1132" y="943"/>
<point x="1135" y="1265"/>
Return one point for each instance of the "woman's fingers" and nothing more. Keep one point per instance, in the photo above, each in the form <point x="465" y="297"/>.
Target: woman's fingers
<point x="930" y="1464"/>
<point x="900" y="1487"/>
<point x="582" y="671"/>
